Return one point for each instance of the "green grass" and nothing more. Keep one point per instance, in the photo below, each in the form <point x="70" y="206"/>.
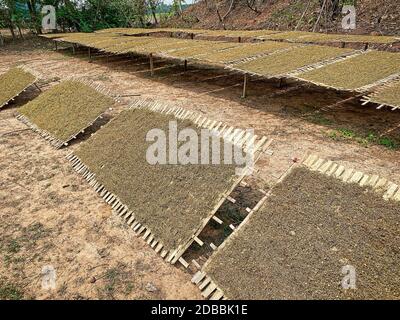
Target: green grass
<point x="10" y="292"/>
<point x="365" y="140"/>
<point x="13" y="246"/>
<point x="320" y="119"/>
<point x="117" y="280"/>
<point x="388" y="143"/>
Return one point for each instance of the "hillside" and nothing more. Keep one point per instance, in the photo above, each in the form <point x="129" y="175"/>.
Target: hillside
<point x="373" y="16"/>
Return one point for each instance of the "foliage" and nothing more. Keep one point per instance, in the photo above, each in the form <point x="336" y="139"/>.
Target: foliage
<point x="84" y="15"/>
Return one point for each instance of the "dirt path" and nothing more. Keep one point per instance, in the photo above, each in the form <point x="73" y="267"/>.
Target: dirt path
<point x="50" y="216"/>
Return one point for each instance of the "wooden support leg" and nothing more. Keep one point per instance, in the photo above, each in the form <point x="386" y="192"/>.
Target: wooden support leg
<point x="366" y="46"/>
<point x="280" y="84"/>
<point x="244" y="94"/>
<point x="37" y="87"/>
<point x="239" y="39"/>
<point x="56" y="45"/>
<point x="185" y="65"/>
<point x="90" y="55"/>
<point x="151" y="64"/>
<point x="343" y="44"/>
<point x="73" y="49"/>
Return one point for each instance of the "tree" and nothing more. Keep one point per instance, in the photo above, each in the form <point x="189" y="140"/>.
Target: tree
<point x="35" y="22"/>
<point x="222" y="17"/>
<point x="80" y="15"/>
<point x="153" y="4"/>
<point x="7" y="8"/>
<point x="252" y="4"/>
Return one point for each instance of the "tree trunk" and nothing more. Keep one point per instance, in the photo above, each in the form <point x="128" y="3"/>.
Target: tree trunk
<point x="20" y="32"/>
<point x="320" y="15"/>
<point x="11" y="27"/>
<point x="153" y="12"/>
<point x="32" y="11"/>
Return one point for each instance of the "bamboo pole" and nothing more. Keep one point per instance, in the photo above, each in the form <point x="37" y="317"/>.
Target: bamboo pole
<point x="244" y="94"/>
<point x="151" y="64"/>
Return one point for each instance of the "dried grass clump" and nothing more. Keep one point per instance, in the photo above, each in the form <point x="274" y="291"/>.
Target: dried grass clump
<point x="53" y="35"/>
<point x="201" y="48"/>
<point x="66" y="109"/>
<point x="296" y="245"/>
<point x="234" y="33"/>
<point x="85" y="39"/>
<point x="321" y="37"/>
<point x="163" y="44"/>
<point x="126" y="44"/>
<point x="170" y="200"/>
<point x="245" y="50"/>
<point x="97" y="42"/>
<point x="284" y="62"/>
<point x="304" y="36"/>
<point x="388" y="95"/>
<point x="132" y="31"/>
<point x="13" y="82"/>
<point x="288" y="35"/>
<point x="356" y="72"/>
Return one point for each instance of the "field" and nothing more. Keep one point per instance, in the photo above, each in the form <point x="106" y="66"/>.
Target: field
<point x="51" y="216"/>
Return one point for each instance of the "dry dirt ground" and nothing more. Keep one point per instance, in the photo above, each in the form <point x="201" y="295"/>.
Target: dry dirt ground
<point x="50" y="216"/>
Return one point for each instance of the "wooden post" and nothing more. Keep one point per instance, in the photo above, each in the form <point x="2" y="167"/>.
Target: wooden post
<point x="185" y="65"/>
<point x="73" y="48"/>
<point x="239" y="39"/>
<point x="244" y="94"/>
<point x="37" y="87"/>
<point x="56" y="45"/>
<point x="90" y="54"/>
<point x="280" y="83"/>
<point x="192" y="36"/>
<point x="151" y="64"/>
<point x="343" y="44"/>
<point x="366" y="45"/>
